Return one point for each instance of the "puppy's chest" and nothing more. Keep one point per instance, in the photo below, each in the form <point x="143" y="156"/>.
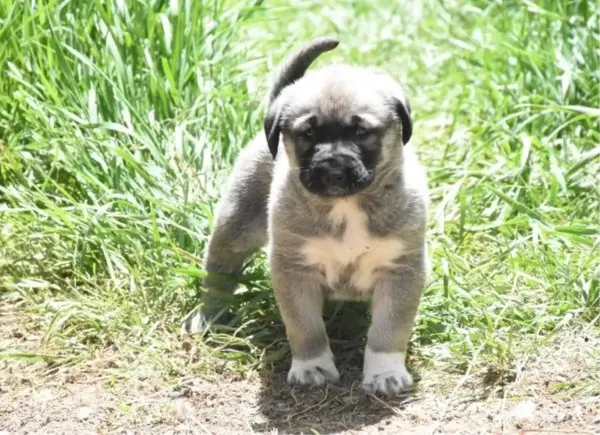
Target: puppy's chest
<point x="351" y="262"/>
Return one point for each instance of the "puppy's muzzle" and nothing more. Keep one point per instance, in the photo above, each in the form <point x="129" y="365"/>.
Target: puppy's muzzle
<point x="332" y="174"/>
<point x="336" y="176"/>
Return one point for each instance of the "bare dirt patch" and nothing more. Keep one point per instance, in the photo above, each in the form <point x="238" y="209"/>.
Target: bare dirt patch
<point x="558" y="391"/>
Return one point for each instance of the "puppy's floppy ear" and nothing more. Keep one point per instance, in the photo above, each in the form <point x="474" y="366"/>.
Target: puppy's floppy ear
<point x="402" y="107"/>
<point x="272" y="127"/>
<point x="397" y="99"/>
<point x="291" y="69"/>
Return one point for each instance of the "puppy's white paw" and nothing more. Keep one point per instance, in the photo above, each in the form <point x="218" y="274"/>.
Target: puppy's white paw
<point x="314" y="371"/>
<point x="385" y="373"/>
<point x="195" y="323"/>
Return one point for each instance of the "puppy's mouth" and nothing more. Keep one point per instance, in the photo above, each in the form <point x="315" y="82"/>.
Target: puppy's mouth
<point x="332" y="178"/>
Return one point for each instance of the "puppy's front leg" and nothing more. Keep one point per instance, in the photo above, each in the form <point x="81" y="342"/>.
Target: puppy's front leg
<point x="394" y="306"/>
<point x="300" y="300"/>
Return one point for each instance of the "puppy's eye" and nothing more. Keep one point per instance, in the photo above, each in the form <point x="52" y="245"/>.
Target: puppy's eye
<point x="361" y="132"/>
<point x="308" y="133"/>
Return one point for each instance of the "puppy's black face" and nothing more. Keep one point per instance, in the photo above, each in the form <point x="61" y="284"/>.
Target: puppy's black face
<point x="336" y="158"/>
<point x="339" y="125"/>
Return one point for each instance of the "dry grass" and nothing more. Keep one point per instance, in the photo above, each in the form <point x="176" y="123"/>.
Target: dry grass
<point x="557" y="391"/>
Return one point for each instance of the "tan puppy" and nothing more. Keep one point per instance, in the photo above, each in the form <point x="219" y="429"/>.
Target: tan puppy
<point x="343" y="207"/>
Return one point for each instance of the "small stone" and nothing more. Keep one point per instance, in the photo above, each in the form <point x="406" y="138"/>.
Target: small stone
<point x="523" y="410"/>
<point x="84" y="412"/>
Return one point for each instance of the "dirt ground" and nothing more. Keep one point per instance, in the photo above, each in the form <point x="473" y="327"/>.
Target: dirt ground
<point x="556" y="392"/>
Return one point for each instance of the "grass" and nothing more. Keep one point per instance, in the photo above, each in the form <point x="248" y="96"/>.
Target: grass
<point x="120" y="120"/>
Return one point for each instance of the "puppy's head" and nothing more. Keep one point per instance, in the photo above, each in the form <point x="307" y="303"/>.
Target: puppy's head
<point x="339" y="125"/>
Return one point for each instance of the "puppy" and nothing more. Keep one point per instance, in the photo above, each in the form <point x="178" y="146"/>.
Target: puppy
<point x="341" y="200"/>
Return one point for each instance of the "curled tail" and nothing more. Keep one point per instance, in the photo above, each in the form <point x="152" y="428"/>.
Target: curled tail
<point x="290" y="70"/>
<point x="296" y="64"/>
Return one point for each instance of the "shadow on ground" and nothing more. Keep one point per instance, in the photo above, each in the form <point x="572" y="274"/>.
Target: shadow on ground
<point x="332" y="408"/>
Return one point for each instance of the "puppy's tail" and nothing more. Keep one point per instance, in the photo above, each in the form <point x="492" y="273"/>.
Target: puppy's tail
<point x="295" y="65"/>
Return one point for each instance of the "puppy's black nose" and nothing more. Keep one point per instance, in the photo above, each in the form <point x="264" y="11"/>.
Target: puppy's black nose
<point x="335" y="177"/>
<point x="333" y="174"/>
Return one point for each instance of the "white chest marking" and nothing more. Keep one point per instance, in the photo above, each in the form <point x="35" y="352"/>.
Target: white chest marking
<point x="365" y="252"/>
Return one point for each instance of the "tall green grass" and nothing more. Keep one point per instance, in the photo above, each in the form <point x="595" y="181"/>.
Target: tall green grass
<point x="119" y="122"/>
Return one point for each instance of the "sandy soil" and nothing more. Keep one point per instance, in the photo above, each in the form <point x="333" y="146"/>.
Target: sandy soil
<point x="556" y="392"/>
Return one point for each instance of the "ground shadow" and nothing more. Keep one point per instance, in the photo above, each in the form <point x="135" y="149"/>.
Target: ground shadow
<point x="332" y="408"/>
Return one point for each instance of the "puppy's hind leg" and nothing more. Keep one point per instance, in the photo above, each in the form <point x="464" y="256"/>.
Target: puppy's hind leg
<point x="240" y="229"/>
